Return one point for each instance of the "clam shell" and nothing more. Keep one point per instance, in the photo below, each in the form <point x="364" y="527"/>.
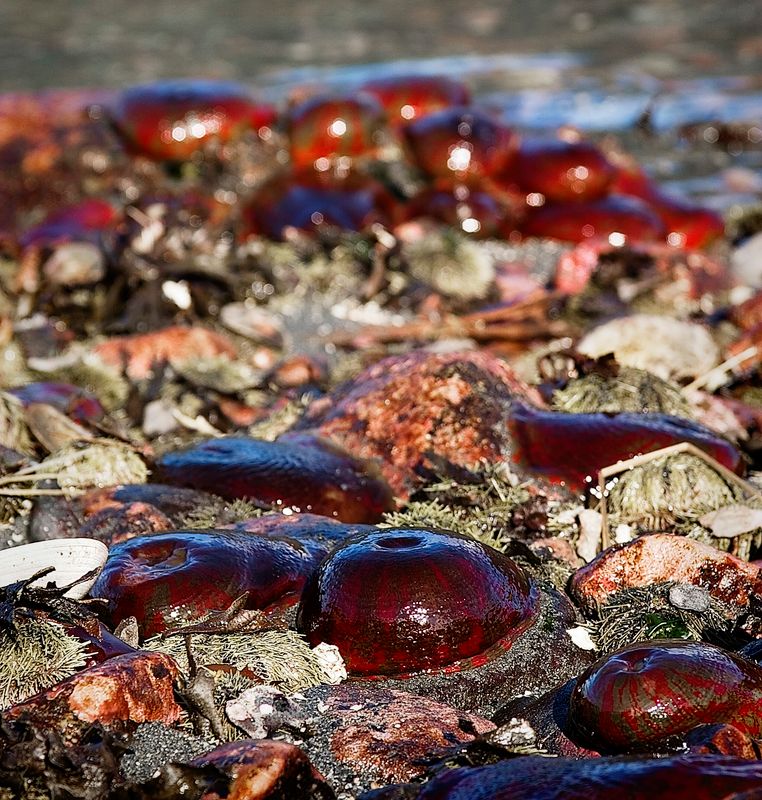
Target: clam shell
<point x="71" y="558"/>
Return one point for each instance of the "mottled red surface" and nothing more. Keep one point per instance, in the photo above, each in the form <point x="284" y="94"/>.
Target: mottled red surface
<point x="136" y="687"/>
<point x="409" y="97"/>
<point x="302" y="471"/>
<point x="393" y="733"/>
<point x="691" y="273"/>
<point x="660" y="557"/>
<point x="563" y="172"/>
<point x="404" y="600"/>
<point x="748" y="315"/>
<point x="126" y="521"/>
<point x="263" y="769"/>
<point x="138" y="353"/>
<point x="115" y="513"/>
<point x="599" y="219"/>
<point x="171" y="579"/>
<point x="171" y="120"/>
<point x="461" y="141"/>
<point x="643" y="693"/>
<point x="534" y="778"/>
<point x="313" y="201"/>
<point x="38" y="134"/>
<point x="422" y="411"/>
<point x="327" y="127"/>
<point x="571" y="448"/>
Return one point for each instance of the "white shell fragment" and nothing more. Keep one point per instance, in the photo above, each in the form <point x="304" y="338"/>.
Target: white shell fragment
<point x="667" y="347"/>
<point x="732" y="521"/>
<point x="590" y="529"/>
<point x="72" y="558"/>
<point x="581" y="637"/>
<point x="331" y="662"/>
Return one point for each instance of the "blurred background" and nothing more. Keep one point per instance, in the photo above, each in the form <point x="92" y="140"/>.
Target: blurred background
<point x="685" y="72"/>
<point x="113" y="43"/>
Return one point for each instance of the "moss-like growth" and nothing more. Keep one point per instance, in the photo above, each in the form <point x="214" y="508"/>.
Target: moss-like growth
<point x="89" y="373"/>
<point x="220" y="373"/>
<point x="742" y="222"/>
<point x="79" y="467"/>
<point x="644" y="613"/>
<point x="452" y="265"/>
<point x="493" y="511"/>
<point x="630" y="390"/>
<point x="280" y="421"/>
<point x="40" y="655"/>
<point x="277" y="656"/>
<point x="219" y="514"/>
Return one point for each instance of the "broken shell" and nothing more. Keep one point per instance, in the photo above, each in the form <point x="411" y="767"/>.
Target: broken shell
<point x="669" y="348"/>
<point x="72" y="558"/>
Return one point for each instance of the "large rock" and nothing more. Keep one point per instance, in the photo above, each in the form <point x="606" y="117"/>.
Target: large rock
<point x="264" y="770"/>
<point x="364" y="736"/>
<point x="661" y="557"/>
<point x="131" y="688"/>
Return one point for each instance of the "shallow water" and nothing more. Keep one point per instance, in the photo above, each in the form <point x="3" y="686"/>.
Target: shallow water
<point x="602" y="65"/>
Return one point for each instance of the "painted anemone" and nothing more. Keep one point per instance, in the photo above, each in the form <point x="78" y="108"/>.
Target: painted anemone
<point x="406" y="600"/>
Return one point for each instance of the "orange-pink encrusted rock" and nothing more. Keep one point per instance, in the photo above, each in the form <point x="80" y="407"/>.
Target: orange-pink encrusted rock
<point x="423" y="412"/>
<point x="662" y="557"/>
<point x="136" y="687"/>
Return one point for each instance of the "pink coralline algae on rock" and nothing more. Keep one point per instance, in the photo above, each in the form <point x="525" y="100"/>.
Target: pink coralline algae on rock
<point x="660" y="557"/>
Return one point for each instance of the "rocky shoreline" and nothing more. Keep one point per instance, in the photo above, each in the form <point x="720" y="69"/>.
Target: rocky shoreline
<point x="366" y="447"/>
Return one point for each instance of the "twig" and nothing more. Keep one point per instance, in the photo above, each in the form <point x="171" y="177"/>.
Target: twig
<point x="519" y="322"/>
<point x="718" y="371"/>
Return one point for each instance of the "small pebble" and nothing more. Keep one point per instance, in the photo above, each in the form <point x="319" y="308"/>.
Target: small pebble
<point x="688" y="597"/>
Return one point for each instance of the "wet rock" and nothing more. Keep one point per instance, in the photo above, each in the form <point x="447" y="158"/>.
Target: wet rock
<point x="132" y="688"/>
<point x="723" y="740"/>
<point x="116" y="513"/>
<point x="137" y="355"/>
<point x="264" y="770"/>
<point x="75" y="264"/>
<point x="422" y="413"/>
<point x="660" y="557"/>
<point x="689" y="597"/>
<point x="262" y="711"/>
<point x="114" y="525"/>
<point x="363" y="736"/>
